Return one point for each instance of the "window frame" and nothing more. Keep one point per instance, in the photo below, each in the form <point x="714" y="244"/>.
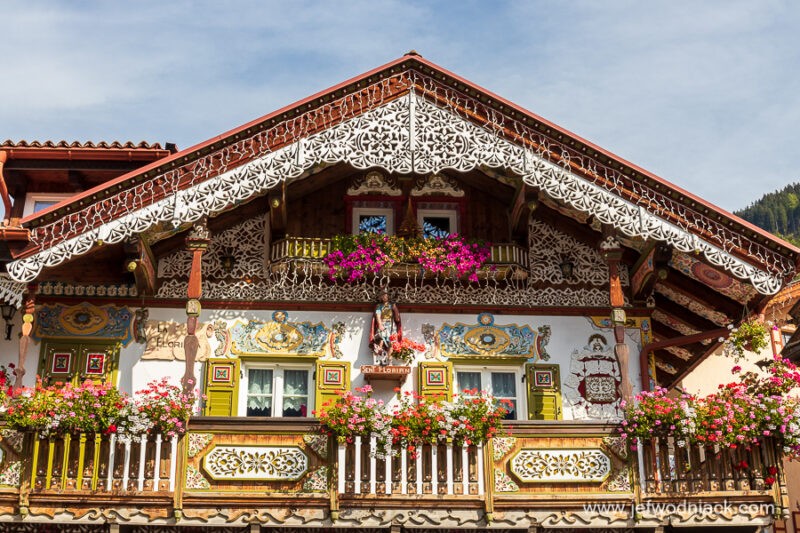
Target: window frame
<point x="32" y="198"/>
<point x="486" y="372"/>
<point x="278" y="368"/>
<point x="451" y="214"/>
<point x="357" y="212"/>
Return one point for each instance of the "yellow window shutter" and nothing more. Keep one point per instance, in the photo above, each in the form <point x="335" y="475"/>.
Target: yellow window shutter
<point x="59" y="362"/>
<point x="544" y="392"/>
<point x="222" y="387"/>
<point x="333" y="378"/>
<point x="435" y="380"/>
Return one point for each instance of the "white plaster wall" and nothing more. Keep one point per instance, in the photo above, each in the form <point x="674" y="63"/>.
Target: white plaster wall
<point x="9" y="350"/>
<point x="715" y="370"/>
<point x="567" y="335"/>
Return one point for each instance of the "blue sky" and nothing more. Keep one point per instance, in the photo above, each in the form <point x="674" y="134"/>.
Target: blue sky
<point x="704" y="94"/>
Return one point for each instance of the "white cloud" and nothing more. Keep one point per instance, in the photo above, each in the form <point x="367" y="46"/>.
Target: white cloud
<point x="703" y="94"/>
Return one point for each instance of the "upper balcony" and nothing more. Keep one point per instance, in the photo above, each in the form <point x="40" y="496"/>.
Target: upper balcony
<point x="506" y="261"/>
<point x="286" y="473"/>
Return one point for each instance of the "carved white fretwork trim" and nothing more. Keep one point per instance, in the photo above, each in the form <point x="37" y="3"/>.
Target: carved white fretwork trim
<point x="406" y="135"/>
<point x="561" y="466"/>
<point x="11" y="291"/>
<point x="262" y="463"/>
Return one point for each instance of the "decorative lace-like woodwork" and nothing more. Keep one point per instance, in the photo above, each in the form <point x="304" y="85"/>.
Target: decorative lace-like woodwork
<point x="402" y="131"/>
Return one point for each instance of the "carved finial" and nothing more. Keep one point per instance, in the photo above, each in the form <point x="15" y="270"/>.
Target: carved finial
<point x="409" y="227"/>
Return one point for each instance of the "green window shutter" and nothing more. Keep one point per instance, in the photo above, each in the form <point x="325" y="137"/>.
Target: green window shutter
<point x="222" y="387"/>
<point x="435" y="380"/>
<point x="333" y="378"/>
<point x="544" y="392"/>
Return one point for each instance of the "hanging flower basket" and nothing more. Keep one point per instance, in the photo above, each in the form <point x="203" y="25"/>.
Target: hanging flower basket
<point x="750" y="336"/>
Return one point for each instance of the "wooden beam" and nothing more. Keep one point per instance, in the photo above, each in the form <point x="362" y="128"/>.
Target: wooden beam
<point x="278" y="209"/>
<point x="648" y="270"/>
<point x="196" y="242"/>
<point x="702" y="293"/>
<point x="525" y="202"/>
<point x="683" y="314"/>
<point x="28" y="308"/>
<point x="140" y="261"/>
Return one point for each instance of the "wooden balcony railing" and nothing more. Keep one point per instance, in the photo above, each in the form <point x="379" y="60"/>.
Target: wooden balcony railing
<point x="671" y="467"/>
<point x="104" y="463"/>
<point x="509" y="254"/>
<point x="224" y="467"/>
<point x="430" y="470"/>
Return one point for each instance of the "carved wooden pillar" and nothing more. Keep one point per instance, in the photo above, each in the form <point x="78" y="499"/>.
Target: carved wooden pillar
<point x="612" y="251"/>
<point x="196" y="242"/>
<point x="28" y="307"/>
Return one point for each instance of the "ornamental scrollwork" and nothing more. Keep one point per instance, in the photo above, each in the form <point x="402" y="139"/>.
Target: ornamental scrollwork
<point x="501" y="446"/>
<point x="504" y="483"/>
<point x="11" y="475"/>
<point x="260" y="463"/>
<point x="317" y="480"/>
<point x="195" y="479"/>
<point x="296" y="287"/>
<point x="381" y="136"/>
<point x="198" y="442"/>
<point x="561" y="466"/>
<point x="318" y="443"/>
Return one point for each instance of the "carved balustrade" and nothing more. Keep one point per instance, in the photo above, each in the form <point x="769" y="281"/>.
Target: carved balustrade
<point x="505" y="259"/>
<point x="670" y="467"/>
<point x="537" y="468"/>
<point x="446" y="469"/>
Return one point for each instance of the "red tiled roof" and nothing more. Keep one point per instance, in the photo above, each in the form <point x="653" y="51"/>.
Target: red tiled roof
<point x="113" y="145"/>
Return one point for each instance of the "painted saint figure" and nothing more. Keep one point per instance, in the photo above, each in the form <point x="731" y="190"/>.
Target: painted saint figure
<point x="385" y="325"/>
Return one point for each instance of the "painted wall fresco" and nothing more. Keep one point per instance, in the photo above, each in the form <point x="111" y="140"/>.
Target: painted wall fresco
<point x="343" y="336"/>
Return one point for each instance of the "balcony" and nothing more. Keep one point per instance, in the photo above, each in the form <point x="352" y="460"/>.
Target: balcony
<point x="284" y="472"/>
<point x="507" y="261"/>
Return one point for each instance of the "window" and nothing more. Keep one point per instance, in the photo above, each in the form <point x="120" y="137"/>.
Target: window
<point x="35" y="202"/>
<point x="437" y="223"/>
<point x="275" y="390"/>
<point x="373" y="220"/>
<point x="499" y="382"/>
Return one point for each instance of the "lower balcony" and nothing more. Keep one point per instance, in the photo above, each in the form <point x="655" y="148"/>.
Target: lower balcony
<point x="284" y="473"/>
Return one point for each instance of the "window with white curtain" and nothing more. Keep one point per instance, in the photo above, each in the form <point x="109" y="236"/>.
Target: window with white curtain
<point x="500" y="382"/>
<point x="276" y="390"/>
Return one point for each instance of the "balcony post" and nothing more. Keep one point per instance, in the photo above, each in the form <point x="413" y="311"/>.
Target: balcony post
<point x="28" y="474"/>
<point x="336" y="458"/>
<point x="142" y="452"/>
<point x="357" y="470"/>
<point x="157" y="464"/>
<point x="486" y="464"/>
<point x="81" y="460"/>
<point x="435" y="468"/>
<point x="96" y="460"/>
<point x="387" y="463"/>
<point x="112" y="444"/>
<point x="179" y="463"/>
<point x="464" y="469"/>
